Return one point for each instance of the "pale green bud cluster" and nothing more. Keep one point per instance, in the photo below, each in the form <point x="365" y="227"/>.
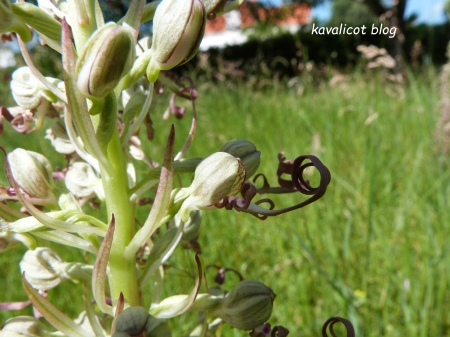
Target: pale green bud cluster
<point x="178" y="28"/>
<point x="248" y="305"/>
<point x="107" y="57"/>
<point x="246" y="151"/>
<point x="32" y="172"/>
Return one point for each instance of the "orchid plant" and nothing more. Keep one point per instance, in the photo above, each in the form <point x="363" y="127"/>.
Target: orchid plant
<point x="110" y="84"/>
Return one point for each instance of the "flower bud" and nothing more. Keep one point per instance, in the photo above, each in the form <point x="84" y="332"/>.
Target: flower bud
<point x="43" y="268"/>
<point x="24" y="326"/>
<point x="24" y="88"/>
<point x="132" y="320"/>
<point x="179" y="26"/>
<point x="107" y="57"/>
<point x="82" y="181"/>
<point x="248" y="305"/>
<point x="246" y="151"/>
<point x="32" y="172"/>
<point x="216" y="177"/>
<point x="156" y="327"/>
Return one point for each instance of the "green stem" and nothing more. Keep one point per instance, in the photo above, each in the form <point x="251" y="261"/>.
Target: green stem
<point x="122" y="276"/>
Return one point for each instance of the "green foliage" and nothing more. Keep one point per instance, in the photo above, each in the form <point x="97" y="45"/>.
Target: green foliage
<point x="352" y="13"/>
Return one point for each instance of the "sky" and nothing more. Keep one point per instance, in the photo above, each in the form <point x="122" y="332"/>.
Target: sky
<point x="428" y="11"/>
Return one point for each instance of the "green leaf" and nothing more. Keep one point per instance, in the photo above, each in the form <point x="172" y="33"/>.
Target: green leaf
<point x="55" y="317"/>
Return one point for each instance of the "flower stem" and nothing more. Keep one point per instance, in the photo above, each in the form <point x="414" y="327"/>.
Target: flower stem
<point x="122" y="275"/>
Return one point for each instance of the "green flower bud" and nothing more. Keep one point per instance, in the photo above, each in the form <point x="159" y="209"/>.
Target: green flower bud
<point x="108" y="55"/>
<point x="248" y="305"/>
<point x="179" y="26"/>
<point x="32" y="172"/>
<point x="156" y="327"/>
<point x="24" y="326"/>
<point x="132" y="320"/>
<point x="120" y="334"/>
<point x="246" y="151"/>
<point x="216" y="177"/>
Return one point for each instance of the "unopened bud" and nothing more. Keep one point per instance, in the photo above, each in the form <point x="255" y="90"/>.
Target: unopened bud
<point x="107" y="57"/>
<point x="216" y="177"/>
<point x="248" y="305"/>
<point x="179" y="26"/>
<point x="246" y="151"/>
<point x="132" y="320"/>
<point x="32" y="172"/>
<point x="24" y="326"/>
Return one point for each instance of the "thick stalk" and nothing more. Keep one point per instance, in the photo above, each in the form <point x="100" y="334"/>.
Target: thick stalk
<point x="122" y="272"/>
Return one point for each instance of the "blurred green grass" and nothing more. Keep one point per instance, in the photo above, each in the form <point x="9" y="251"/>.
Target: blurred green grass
<point x="374" y="249"/>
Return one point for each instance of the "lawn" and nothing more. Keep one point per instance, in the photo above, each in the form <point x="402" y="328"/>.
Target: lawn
<point x="373" y="249"/>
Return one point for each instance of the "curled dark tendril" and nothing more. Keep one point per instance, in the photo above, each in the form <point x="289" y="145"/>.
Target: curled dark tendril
<point x="297" y="183"/>
<point x="221" y="272"/>
<point x="265" y="187"/>
<point x="332" y="321"/>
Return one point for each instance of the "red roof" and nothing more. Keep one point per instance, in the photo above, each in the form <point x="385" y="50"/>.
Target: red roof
<point x="296" y="13"/>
